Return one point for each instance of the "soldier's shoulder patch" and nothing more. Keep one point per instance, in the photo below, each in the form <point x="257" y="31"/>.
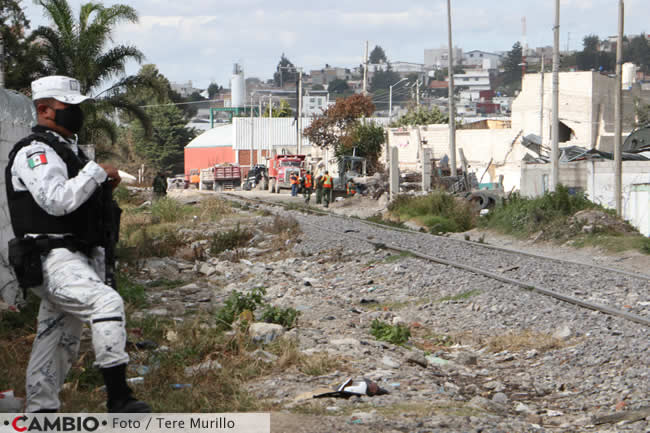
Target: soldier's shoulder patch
<point x="36" y="158"/>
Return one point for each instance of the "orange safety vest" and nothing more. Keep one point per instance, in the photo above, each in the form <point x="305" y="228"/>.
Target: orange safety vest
<point x="327" y="181"/>
<point x="351" y="189"/>
<point x="308" y="181"/>
<point x="293" y="179"/>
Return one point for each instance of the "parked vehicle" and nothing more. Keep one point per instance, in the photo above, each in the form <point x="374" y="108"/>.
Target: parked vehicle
<point x="221" y="177"/>
<point x="256" y="177"/>
<point x="193" y="178"/>
<point x="280" y="169"/>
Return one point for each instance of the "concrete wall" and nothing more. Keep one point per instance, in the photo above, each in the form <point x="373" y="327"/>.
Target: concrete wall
<point x="479" y="145"/>
<point x="16" y="119"/>
<point x="596" y="179"/>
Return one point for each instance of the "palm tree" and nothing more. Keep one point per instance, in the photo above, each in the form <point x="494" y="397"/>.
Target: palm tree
<point x="79" y="49"/>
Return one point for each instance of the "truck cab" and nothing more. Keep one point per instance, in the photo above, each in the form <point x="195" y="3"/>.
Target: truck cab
<point x="280" y="169"/>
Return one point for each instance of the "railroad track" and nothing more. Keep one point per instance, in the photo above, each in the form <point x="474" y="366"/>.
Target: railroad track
<point x="604" y="289"/>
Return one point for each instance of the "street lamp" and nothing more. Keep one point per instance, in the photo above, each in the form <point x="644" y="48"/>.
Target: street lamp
<point x="390" y="97"/>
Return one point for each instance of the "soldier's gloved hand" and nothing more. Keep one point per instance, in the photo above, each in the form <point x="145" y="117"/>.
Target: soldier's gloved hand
<point x="112" y="173"/>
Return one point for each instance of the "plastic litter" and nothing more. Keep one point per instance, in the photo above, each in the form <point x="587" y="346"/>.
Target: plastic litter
<point x="181" y="385"/>
<point x="9" y="403"/>
<point x="351" y="388"/>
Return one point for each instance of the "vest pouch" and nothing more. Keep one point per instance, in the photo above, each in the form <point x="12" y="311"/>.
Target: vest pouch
<point x="25" y="258"/>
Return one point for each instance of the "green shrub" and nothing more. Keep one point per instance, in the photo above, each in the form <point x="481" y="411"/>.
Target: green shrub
<point x="237" y="303"/>
<point x="520" y="215"/>
<point x="230" y="240"/>
<point x="286" y="317"/>
<point x="439" y="211"/>
<point x="395" y="334"/>
<point x="168" y="210"/>
<point x="645" y="245"/>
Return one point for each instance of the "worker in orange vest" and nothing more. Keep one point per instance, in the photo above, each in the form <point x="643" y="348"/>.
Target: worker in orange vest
<point x="327" y="189"/>
<point x="351" y="188"/>
<point x="308" y="185"/>
<point x="293" y="179"/>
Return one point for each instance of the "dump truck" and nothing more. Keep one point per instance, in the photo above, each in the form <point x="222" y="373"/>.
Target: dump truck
<point x="280" y="169"/>
<point x="221" y="177"/>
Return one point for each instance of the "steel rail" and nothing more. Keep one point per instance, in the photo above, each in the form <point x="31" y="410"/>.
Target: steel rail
<point x="528" y="286"/>
<point x="639" y="276"/>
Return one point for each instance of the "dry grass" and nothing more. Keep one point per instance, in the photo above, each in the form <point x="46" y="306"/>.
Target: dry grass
<point x="524" y="341"/>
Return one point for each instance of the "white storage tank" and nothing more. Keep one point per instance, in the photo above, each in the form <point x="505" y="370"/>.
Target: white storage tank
<point x="629" y="75"/>
<point x="238" y="87"/>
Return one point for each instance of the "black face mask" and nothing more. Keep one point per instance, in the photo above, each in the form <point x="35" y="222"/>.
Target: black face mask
<point x="70" y="118"/>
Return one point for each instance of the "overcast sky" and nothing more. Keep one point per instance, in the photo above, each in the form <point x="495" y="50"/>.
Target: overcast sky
<point x="199" y="40"/>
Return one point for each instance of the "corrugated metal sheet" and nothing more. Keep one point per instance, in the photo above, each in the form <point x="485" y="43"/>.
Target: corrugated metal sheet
<point x="254" y="132"/>
<point x="264" y="133"/>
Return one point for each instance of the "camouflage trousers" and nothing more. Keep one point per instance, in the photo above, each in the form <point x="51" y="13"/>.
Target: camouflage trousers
<point x="72" y="294"/>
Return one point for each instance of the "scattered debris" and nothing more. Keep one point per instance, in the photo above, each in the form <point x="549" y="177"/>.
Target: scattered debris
<point x="351" y="388"/>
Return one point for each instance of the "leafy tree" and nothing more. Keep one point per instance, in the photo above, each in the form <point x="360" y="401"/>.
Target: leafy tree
<point x="164" y="149"/>
<point x="281" y="110"/>
<point x="285" y="72"/>
<point x="421" y="116"/>
<point x="317" y="87"/>
<point x="512" y="69"/>
<point x="157" y="93"/>
<point x="377" y="55"/>
<point x="77" y="48"/>
<point x="638" y="52"/>
<point x="336" y="127"/>
<point x="21" y="55"/>
<point x="366" y="139"/>
<point x="338" y="86"/>
<point x="382" y="80"/>
<point x="213" y="90"/>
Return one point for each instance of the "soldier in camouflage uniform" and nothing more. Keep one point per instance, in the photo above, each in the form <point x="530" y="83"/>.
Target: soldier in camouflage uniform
<point x="52" y="191"/>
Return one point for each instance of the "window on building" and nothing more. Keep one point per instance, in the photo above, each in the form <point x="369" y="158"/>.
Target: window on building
<point x="311" y="100"/>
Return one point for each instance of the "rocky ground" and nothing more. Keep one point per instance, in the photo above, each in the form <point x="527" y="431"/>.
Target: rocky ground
<point x="483" y="356"/>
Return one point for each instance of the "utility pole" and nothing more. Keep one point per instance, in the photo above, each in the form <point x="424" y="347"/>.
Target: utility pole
<point x="299" y="137"/>
<point x="365" y="71"/>
<point x="452" y="109"/>
<point x="618" y="114"/>
<point x="269" y="122"/>
<point x="555" y="152"/>
<point x="2" y="64"/>
<point x="417" y="95"/>
<point x="541" y="103"/>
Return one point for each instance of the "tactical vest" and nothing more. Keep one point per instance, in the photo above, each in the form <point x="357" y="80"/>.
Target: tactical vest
<point x="28" y="217"/>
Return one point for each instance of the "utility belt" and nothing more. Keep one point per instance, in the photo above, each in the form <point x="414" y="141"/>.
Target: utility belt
<point x="25" y="255"/>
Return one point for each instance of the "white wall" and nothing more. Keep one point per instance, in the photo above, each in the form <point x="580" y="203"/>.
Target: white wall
<point x="479" y="146"/>
<point x="16" y="119"/>
<point x="596" y="178"/>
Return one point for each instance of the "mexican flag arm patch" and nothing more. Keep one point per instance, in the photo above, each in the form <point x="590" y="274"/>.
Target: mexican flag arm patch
<point x="36" y="159"/>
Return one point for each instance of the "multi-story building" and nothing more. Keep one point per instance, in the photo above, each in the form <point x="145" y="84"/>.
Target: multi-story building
<point x="472" y="83"/>
<point x="439" y="58"/>
<point x="481" y="59"/>
<point x="184" y="89"/>
<point x="326" y="75"/>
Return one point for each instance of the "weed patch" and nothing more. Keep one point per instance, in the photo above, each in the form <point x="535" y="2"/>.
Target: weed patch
<point x="168" y="210"/>
<point x="438" y="211"/>
<point x="286" y="317"/>
<point x="461" y="296"/>
<point x="394" y="334"/>
<point x="378" y="219"/>
<point x="523" y="341"/>
<point x="236" y="304"/>
<point x="229" y="240"/>
<point x="397" y="257"/>
<point x="132" y="292"/>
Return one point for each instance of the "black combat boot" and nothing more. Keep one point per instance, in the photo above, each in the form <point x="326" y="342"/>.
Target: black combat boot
<point x="120" y="396"/>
